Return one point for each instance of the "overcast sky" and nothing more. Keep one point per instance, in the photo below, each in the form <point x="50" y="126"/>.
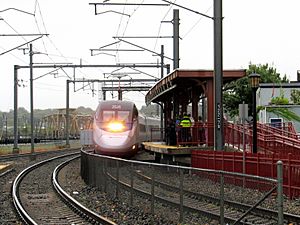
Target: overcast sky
<point x="254" y="31"/>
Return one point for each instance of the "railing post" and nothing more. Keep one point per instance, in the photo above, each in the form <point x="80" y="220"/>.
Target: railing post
<point x="272" y="165"/>
<point x="118" y="180"/>
<point x="181" y="196"/>
<point x="152" y="191"/>
<point x="222" y="222"/>
<point x="131" y="185"/>
<point x="289" y="175"/>
<point x="280" y="192"/>
<point x="105" y="174"/>
<point x="257" y="165"/>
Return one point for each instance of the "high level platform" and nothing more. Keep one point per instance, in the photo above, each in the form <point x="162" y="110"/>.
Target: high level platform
<point x="175" y="154"/>
<point x="4" y="167"/>
<point x="162" y="148"/>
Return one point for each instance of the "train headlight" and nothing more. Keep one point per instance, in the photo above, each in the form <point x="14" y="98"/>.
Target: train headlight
<point x="116" y="127"/>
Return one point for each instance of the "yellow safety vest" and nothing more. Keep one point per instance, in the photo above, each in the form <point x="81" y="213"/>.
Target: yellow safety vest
<point x="185" y="122"/>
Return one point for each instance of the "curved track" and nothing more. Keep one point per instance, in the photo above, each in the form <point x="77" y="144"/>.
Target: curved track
<point x="37" y="202"/>
<point x="198" y="203"/>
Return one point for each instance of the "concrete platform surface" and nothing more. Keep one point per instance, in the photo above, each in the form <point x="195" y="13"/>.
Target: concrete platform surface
<point x="161" y="147"/>
<point x="4" y="167"/>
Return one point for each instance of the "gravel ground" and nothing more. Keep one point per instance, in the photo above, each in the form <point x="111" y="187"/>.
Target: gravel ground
<point x="119" y="211"/>
<point x="122" y="213"/>
<point x="8" y="214"/>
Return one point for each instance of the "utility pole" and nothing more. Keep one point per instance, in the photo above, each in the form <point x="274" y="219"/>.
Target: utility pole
<point x="162" y="76"/>
<point x="218" y="76"/>
<point x="175" y="39"/>
<point x="67" y="115"/>
<point x="99" y="81"/>
<point x="16" y="136"/>
<point x="16" y="67"/>
<point x="31" y="97"/>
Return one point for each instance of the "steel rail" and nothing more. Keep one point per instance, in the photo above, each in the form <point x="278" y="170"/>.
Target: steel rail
<point x="16" y="185"/>
<point x="72" y="202"/>
<point x="258" y="210"/>
<point x="174" y="204"/>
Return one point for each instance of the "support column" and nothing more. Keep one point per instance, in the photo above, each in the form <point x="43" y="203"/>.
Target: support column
<point x="210" y="116"/>
<point x="195" y="101"/>
<point x="31" y="97"/>
<point x="162" y="76"/>
<point x="218" y="76"/>
<point x="16" y="136"/>
<point x="175" y="39"/>
<point x="175" y="105"/>
<point x="67" y="115"/>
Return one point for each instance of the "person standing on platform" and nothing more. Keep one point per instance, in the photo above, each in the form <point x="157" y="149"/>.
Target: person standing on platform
<point x="172" y="130"/>
<point x="177" y="127"/>
<point x="171" y="133"/>
<point x="185" y="124"/>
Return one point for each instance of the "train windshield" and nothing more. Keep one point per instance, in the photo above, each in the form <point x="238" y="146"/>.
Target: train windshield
<point x="123" y="116"/>
<point x="115" y="120"/>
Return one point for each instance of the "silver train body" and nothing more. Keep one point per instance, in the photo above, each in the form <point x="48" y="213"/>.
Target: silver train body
<point x="118" y="129"/>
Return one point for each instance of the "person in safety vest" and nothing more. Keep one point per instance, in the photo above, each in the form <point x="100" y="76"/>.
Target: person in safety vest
<point x="185" y="124"/>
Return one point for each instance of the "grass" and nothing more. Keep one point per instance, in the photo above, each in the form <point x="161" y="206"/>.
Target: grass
<point x="39" y="147"/>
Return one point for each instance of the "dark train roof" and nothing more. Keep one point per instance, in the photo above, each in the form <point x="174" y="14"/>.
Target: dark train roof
<point x="181" y="79"/>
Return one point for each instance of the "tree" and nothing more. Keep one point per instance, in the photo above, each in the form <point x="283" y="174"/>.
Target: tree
<point x="295" y="96"/>
<point x="239" y="91"/>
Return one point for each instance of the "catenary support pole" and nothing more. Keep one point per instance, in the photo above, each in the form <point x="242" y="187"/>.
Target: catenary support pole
<point x="31" y="98"/>
<point x="175" y="39"/>
<point x="67" y="114"/>
<point x="161" y="76"/>
<point x="218" y="76"/>
<point x="15" y="149"/>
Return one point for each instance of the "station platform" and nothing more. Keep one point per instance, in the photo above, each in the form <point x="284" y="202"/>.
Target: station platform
<point x="161" y="147"/>
<point x="175" y="154"/>
<point x="4" y="167"/>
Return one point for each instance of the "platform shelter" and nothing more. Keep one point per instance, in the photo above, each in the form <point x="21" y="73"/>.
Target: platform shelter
<point x="185" y="86"/>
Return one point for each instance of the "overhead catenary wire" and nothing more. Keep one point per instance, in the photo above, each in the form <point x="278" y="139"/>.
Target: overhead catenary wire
<point x="35" y="7"/>
<point x="159" y="29"/>
<point x="117" y="59"/>
<point x="195" y="24"/>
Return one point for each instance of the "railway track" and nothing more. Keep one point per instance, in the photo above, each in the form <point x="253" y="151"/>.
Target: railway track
<point x="193" y="202"/>
<point x="37" y="202"/>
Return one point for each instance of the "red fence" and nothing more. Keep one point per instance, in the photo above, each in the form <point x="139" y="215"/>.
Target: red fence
<point x="270" y="139"/>
<point x="255" y="164"/>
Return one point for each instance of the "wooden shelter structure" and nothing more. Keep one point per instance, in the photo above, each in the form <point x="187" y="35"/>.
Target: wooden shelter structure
<point x="185" y="86"/>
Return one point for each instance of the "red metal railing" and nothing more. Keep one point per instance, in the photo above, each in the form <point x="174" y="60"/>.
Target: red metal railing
<point x="197" y="135"/>
<point x="259" y="164"/>
<point x="270" y="139"/>
<point x="286" y="128"/>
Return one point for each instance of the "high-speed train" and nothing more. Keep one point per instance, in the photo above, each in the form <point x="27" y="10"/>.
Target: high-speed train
<point x="118" y="129"/>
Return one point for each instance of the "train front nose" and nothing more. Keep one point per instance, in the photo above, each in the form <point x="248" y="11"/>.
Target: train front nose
<point x="114" y="140"/>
